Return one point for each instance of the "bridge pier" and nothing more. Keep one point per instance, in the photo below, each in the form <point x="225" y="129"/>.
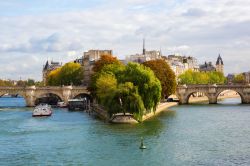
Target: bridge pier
<point x="212" y="100"/>
<point x="30" y="96"/>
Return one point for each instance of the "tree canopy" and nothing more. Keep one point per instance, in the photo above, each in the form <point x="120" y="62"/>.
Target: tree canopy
<point x="105" y="60"/>
<point x="239" y="79"/>
<point x="193" y="77"/>
<point x="69" y="74"/>
<point x="132" y="88"/>
<point x="28" y="82"/>
<point x="165" y="74"/>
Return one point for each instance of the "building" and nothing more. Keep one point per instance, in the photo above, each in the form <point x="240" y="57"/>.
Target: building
<point x="208" y="67"/>
<point x="220" y="65"/>
<point x="179" y="64"/>
<point x="230" y="78"/>
<point x="145" y="56"/>
<point x="48" y="67"/>
<point x="246" y="76"/>
<point x="79" y="60"/>
<point x="89" y="58"/>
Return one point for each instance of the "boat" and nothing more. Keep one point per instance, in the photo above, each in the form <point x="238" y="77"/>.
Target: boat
<point x="62" y="105"/>
<point x="76" y="104"/>
<point x="42" y="110"/>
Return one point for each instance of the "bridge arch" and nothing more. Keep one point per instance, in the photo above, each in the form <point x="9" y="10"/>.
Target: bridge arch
<point x="196" y="94"/>
<point x="48" y="97"/>
<point x="237" y="93"/>
<point x="83" y="95"/>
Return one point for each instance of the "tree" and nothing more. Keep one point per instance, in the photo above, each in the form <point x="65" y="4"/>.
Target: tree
<point x="105" y="60"/>
<point x="30" y="82"/>
<point x="239" y="79"/>
<point x="133" y="88"/>
<point x="114" y="69"/>
<point x="54" y="77"/>
<point x="69" y="74"/>
<point x="192" y="77"/>
<point x="106" y="85"/>
<point x="149" y="87"/>
<point x="165" y="74"/>
<point x="6" y="83"/>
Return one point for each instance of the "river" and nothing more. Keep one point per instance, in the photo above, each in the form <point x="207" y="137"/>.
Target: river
<point x="184" y="135"/>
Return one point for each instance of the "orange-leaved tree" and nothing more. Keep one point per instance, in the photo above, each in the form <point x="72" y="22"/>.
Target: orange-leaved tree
<point x="105" y="60"/>
<point x="165" y="74"/>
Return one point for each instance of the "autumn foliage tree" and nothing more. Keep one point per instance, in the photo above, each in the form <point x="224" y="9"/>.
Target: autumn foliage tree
<point x="165" y="74"/>
<point x="105" y="60"/>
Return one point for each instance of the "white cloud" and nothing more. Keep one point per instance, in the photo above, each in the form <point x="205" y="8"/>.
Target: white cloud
<point x="200" y="28"/>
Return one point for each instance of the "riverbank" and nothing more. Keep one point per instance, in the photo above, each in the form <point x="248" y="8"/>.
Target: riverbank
<point x="120" y="118"/>
<point x="161" y="107"/>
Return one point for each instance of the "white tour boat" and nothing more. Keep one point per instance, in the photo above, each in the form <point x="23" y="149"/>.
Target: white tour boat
<point x="42" y="110"/>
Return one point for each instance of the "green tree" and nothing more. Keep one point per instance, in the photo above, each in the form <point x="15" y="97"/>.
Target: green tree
<point x="106" y="85"/>
<point x="165" y="74"/>
<point x="6" y="83"/>
<point x="133" y="88"/>
<point x="114" y="69"/>
<point x="30" y="82"/>
<point x="69" y="74"/>
<point x="186" y="78"/>
<point x="149" y="87"/>
<point x="239" y="79"/>
<point x="192" y="77"/>
<point x="130" y="100"/>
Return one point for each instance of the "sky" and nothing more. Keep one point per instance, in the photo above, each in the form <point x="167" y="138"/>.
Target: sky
<point x="34" y="31"/>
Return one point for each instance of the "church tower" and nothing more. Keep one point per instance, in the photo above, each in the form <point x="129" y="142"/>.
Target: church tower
<point x="220" y="65"/>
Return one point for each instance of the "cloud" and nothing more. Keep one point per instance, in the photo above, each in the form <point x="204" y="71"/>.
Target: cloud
<point x="51" y="43"/>
<point x="199" y="28"/>
<point x="194" y="12"/>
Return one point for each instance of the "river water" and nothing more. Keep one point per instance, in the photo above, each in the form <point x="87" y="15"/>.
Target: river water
<point x="184" y="135"/>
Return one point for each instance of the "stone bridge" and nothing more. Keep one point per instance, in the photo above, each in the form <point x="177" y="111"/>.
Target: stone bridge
<point x="184" y="92"/>
<point x="31" y="93"/>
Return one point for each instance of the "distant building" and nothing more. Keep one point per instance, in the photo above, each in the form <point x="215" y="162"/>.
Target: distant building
<point x="79" y="60"/>
<point x="145" y="56"/>
<point x="230" y="78"/>
<point x="89" y="58"/>
<point x="179" y="64"/>
<point x="208" y="67"/>
<point x="48" y="67"/>
<point x="220" y="65"/>
<point x="246" y="77"/>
